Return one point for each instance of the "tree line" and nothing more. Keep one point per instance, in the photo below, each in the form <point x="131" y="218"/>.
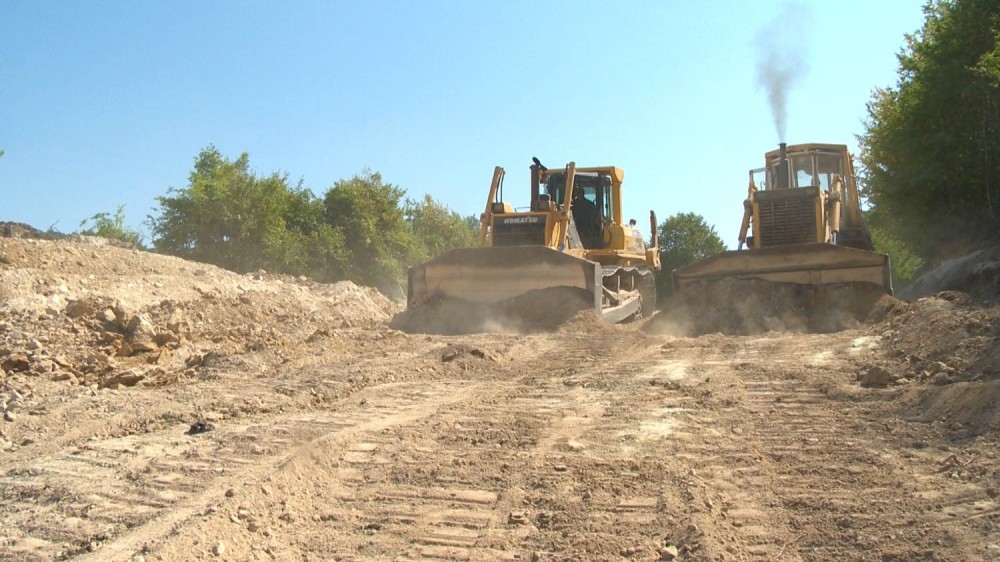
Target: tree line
<point x="361" y="229"/>
<point x="930" y="152"/>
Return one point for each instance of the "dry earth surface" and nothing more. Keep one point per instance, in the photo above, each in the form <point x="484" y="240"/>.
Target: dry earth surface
<point x="157" y="409"/>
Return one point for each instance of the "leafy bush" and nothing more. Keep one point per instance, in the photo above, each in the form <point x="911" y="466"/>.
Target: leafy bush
<point x="684" y="238"/>
<point x="112" y="227"/>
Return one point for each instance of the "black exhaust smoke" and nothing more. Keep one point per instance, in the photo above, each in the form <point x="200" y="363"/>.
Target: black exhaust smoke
<point x="780" y="68"/>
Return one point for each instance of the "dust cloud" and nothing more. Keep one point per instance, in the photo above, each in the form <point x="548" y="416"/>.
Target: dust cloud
<point x="747" y="307"/>
<point x="781" y="58"/>
<point x="543" y="310"/>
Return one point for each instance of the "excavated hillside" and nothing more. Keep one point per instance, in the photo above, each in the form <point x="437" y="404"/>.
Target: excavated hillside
<point x="158" y="409"/>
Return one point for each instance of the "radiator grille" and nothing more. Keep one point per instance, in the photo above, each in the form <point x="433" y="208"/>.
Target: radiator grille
<point x="787" y="221"/>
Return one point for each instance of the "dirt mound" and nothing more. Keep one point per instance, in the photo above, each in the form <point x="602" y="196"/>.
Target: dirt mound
<point x="535" y="311"/>
<point x="747" y="307"/>
<point x="943" y="339"/>
<point x="86" y="311"/>
<point x="943" y="351"/>
<point x="21" y="230"/>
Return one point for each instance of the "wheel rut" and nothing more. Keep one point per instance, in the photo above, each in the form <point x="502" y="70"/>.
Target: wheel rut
<point x="790" y="470"/>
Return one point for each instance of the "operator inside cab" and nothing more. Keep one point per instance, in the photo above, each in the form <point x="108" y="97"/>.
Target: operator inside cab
<point x="587" y="218"/>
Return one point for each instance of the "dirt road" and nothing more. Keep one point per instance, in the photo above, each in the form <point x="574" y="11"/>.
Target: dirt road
<point x="286" y="421"/>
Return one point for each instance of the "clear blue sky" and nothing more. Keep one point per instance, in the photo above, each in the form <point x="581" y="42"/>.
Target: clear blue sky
<point x="108" y="102"/>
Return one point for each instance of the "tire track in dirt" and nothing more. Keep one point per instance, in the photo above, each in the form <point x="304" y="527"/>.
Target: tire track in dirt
<point x="462" y="484"/>
<point x="170" y="480"/>
<point x="507" y="471"/>
<point x="400" y="487"/>
<point x="595" y="486"/>
<point x="582" y="447"/>
<point x="112" y="471"/>
<point x="793" y="471"/>
<point x="424" y="504"/>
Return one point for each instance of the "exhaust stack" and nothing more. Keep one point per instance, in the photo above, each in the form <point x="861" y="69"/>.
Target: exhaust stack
<point x="783" y="178"/>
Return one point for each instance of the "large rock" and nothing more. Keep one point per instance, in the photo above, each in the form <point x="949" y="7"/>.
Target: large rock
<point x="178" y="322"/>
<point x="669" y="553"/>
<point x="118" y="380"/>
<point x="141" y="334"/>
<point x="121" y="317"/>
<point x="875" y="377"/>
<point x="79" y="309"/>
<point x="17" y="362"/>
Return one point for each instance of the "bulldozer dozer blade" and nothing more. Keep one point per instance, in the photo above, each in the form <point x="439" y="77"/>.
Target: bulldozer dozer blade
<point x="808" y="264"/>
<point x="491" y="275"/>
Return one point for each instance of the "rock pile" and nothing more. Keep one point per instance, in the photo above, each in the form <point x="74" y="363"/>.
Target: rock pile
<point x="81" y="312"/>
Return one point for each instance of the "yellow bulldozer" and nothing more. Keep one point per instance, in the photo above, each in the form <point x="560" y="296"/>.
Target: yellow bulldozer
<point x="808" y="251"/>
<point x="571" y="237"/>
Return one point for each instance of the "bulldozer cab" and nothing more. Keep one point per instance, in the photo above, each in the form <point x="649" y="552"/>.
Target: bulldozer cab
<point x="596" y="187"/>
<point x="590" y="200"/>
<point x="812" y="169"/>
<point x="816" y="166"/>
<point x="553" y="188"/>
<point x="591" y="208"/>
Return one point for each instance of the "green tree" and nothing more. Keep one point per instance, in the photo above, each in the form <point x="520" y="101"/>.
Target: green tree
<point x="435" y="229"/>
<point x="903" y="261"/>
<point x="684" y="238"/>
<point x="201" y="222"/>
<point x="930" y="152"/>
<point x="365" y="213"/>
<point x="309" y="245"/>
<point x="228" y="216"/>
<point x="113" y="227"/>
<point x="474" y="224"/>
